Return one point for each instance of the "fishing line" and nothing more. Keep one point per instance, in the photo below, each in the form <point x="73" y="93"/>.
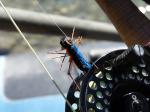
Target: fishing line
<point x="44" y="11"/>
<point x="33" y="51"/>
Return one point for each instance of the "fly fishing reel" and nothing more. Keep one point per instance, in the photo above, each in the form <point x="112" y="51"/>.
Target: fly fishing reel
<point x="121" y="83"/>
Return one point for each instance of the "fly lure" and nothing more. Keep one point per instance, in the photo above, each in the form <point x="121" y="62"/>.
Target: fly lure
<point x="75" y="55"/>
<point x="70" y="45"/>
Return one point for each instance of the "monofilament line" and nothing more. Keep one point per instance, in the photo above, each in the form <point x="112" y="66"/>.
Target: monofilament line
<point x="52" y="18"/>
<point x="33" y="51"/>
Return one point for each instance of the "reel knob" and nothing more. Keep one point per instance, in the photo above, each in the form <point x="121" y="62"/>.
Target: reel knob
<point x="135" y="102"/>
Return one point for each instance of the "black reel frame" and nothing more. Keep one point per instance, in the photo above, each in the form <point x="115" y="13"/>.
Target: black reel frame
<point x="120" y="84"/>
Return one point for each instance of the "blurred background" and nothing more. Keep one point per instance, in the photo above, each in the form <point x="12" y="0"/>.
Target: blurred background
<point x="24" y="85"/>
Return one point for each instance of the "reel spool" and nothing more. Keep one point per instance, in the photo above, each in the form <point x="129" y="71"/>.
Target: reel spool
<point x="74" y="95"/>
<point x="120" y="84"/>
